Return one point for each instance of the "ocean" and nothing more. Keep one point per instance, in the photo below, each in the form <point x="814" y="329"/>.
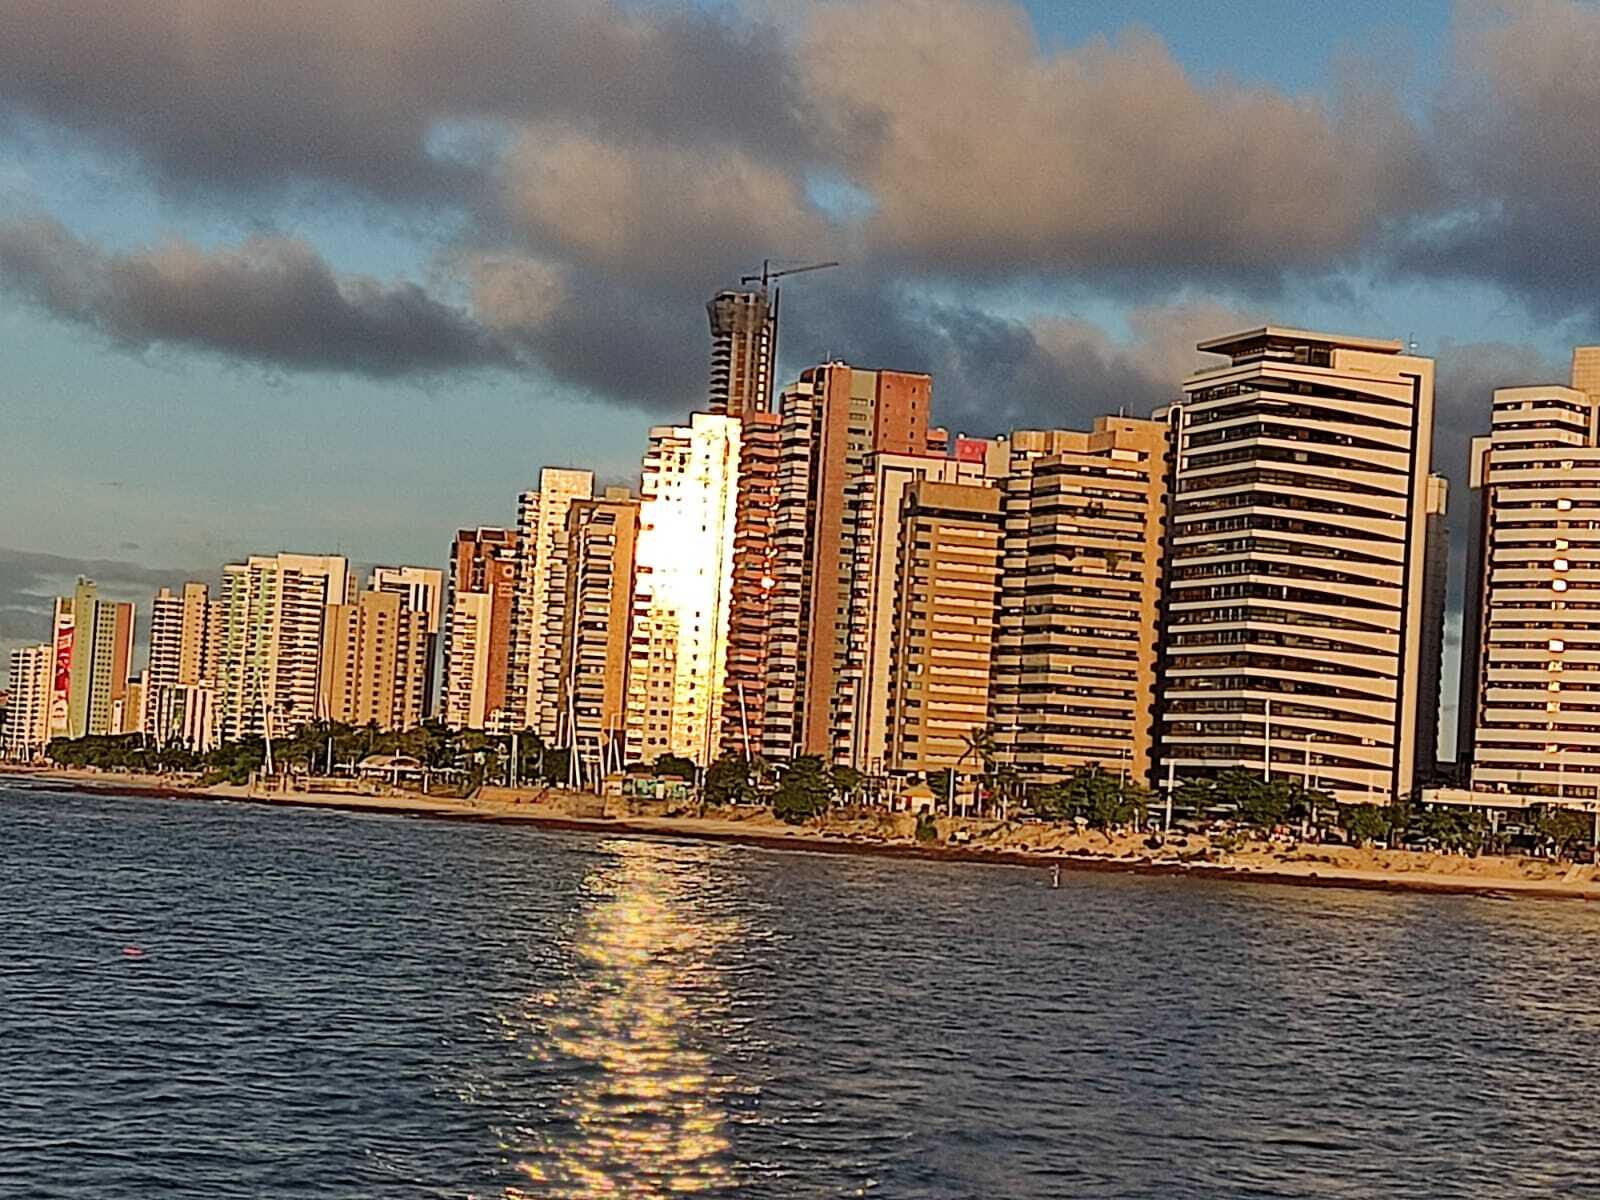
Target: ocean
<point x="204" y="999"/>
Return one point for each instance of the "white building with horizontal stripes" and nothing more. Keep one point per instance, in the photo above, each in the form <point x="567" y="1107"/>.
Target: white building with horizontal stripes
<point x="1297" y="564"/>
<point x="1531" y="666"/>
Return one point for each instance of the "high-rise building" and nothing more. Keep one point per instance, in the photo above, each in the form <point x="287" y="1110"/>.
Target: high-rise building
<point x="744" y="338"/>
<point x="832" y="418"/>
<point x="1297" y="563"/>
<point x="862" y="671"/>
<point x="477" y="649"/>
<point x="374" y="661"/>
<point x="602" y="536"/>
<point x="682" y="590"/>
<point x="946" y="591"/>
<point x="1075" y="657"/>
<point x="26" y="730"/>
<point x="422" y="590"/>
<point x="539" y="614"/>
<point x="185" y="648"/>
<point x="744" y="706"/>
<point x="94" y="650"/>
<point x="127" y="713"/>
<point x="180" y="633"/>
<point x="274" y="608"/>
<point x="1531" y="650"/>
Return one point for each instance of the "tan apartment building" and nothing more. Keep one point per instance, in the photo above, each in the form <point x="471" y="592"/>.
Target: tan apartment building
<point x="478" y="630"/>
<point x="1531" y="650"/>
<point x="181" y="637"/>
<point x="602" y="538"/>
<point x="947" y="588"/>
<point x="862" y="670"/>
<point x="1297" y="563"/>
<point x="374" y="662"/>
<point x="832" y="418"/>
<point x="1074" y="681"/>
<point x="421" y="589"/>
<point x="539" y="615"/>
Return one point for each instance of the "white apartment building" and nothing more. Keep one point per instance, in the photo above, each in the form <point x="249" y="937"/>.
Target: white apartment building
<point x="27" y="724"/>
<point x="1296" y="563"/>
<point x="683" y="585"/>
<point x="270" y="661"/>
<point x="1531" y="658"/>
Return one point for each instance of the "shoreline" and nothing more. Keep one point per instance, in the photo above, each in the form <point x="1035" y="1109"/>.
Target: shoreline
<point x="767" y="836"/>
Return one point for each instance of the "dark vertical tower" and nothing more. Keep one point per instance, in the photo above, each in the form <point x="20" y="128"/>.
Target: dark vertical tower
<point x="744" y="337"/>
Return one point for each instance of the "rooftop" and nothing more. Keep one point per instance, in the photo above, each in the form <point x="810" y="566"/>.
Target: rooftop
<point x="1252" y="341"/>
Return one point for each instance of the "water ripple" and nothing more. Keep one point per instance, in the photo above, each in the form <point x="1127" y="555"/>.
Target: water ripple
<point x="336" y="1005"/>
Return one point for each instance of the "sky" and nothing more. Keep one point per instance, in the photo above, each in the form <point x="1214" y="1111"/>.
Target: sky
<point x="295" y="276"/>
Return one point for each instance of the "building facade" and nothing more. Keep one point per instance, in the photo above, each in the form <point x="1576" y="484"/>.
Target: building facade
<point x="1531" y="654"/>
<point x="478" y="632"/>
<point x="421" y="590"/>
<point x="682" y="590"/>
<point x="744" y="339"/>
<point x="93" y="641"/>
<point x="375" y="662"/>
<point x="1074" y="681"/>
<point x="1297" y="550"/>
<point x="539" y="615"/>
<point x="862" y="672"/>
<point x="26" y="730"/>
<point x="274" y="610"/>
<point x="602" y="540"/>
<point x="831" y="419"/>
<point x="947" y="588"/>
<point x="185" y="646"/>
<point x="744" y="707"/>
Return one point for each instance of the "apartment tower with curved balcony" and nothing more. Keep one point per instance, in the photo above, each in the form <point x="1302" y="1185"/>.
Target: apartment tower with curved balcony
<point x="1297" y="596"/>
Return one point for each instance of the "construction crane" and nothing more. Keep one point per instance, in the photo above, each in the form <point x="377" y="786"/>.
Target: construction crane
<point x="767" y="274"/>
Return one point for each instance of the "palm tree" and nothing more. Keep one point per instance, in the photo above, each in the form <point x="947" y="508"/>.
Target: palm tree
<point x="978" y="742"/>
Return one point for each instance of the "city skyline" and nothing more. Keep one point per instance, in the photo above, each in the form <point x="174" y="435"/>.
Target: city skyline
<point x="183" y="446"/>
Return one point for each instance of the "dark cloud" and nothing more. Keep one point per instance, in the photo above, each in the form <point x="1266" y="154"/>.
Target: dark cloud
<point x="988" y="155"/>
<point x="232" y="96"/>
<point x="1515" y="130"/>
<point x="271" y="301"/>
<point x="609" y="165"/>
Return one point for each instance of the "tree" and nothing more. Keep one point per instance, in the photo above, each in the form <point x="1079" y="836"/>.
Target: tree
<point x="1566" y="828"/>
<point x="848" y="783"/>
<point x="674" y="766"/>
<point x="729" y="780"/>
<point x="1103" y="800"/>
<point x="804" y="790"/>
<point x="977" y="744"/>
<point x="1365" y="823"/>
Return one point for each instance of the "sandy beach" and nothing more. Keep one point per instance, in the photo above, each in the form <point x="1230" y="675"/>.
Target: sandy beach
<point x="879" y="833"/>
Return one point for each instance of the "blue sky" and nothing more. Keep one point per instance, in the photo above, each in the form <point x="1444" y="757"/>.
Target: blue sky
<point x="1044" y="206"/>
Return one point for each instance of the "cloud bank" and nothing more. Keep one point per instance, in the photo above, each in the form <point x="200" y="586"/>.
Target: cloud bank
<point x="604" y="167"/>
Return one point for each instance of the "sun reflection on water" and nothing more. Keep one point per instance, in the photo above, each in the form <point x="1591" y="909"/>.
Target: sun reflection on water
<point x="640" y="1108"/>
